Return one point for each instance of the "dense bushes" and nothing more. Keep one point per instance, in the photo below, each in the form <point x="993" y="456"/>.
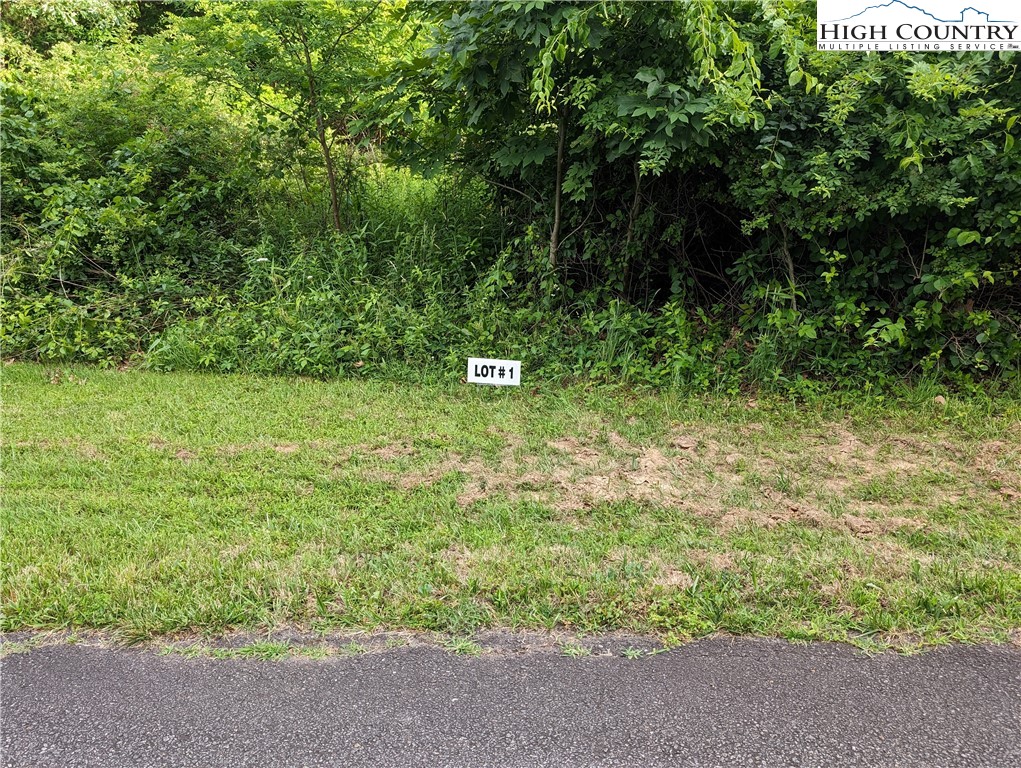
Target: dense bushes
<point x="855" y="215"/>
<point x="673" y="194"/>
<point x="886" y="212"/>
<point x="113" y="168"/>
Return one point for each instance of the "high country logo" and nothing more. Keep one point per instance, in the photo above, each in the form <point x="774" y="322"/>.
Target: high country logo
<point x="918" y="25"/>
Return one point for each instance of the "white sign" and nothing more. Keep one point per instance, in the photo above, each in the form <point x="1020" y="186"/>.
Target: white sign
<point x="918" y="25"/>
<point x="499" y="373"/>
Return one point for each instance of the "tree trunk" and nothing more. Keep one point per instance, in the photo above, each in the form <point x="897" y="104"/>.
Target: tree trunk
<point x="789" y="263"/>
<point x="635" y="202"/>
<point x="331" y="174"/>
<point x="554" y="240"/>
<point x="324" y="145"/>
<point x="625" y="279"/>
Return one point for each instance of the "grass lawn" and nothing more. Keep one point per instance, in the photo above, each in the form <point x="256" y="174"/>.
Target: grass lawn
<point x="147" y="504"/>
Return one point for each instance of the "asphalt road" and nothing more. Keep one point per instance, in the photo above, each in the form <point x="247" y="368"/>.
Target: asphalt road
<point x="714" y="703"/>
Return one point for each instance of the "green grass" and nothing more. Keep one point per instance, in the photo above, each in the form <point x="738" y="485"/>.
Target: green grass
<point x="463" y="646"/>
<point x="575" y="651"/>
<point x="148" y="504"/>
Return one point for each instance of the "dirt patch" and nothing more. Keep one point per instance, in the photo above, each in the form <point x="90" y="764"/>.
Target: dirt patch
<point x="722" y="475"/>
<point x="237" y="449"/>
<point x="83" y="449"/>
<point x="785" y="510"/>
<point x="894" y="560"/>
<point x="999" y="463"/>
<point x="759" y="518"/>
<point x="396" y="451"/>
<point x="467" y="563"/>
<point x="461" y="561"/>
<point x="233" y="449"/>
<point x="60" y="377"/>
<point x="183" y="454"/>
<point x="869" y="476"/>
<point x="578" y="474"/>
<point x="683" y="442"/>
<point x="233" y="552"/>
<point x="733" y="459"/>
<point x="578" y="453"/>
<point x="720" y="561"/>
<point x="89" y="451"/>
<point x="674" y="578"/>
<point x="433" y="474"/>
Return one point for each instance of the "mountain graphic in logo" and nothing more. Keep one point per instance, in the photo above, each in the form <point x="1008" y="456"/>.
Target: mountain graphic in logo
<point x="969" y="15"/>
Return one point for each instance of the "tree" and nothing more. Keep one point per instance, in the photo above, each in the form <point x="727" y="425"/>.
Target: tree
<point x="576" y="107"/>
<point x="42" y="23"/>
<point x="303" y="62"/>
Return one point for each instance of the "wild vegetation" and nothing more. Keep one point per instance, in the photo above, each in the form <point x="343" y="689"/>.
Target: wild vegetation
<point x="677" y="194"/>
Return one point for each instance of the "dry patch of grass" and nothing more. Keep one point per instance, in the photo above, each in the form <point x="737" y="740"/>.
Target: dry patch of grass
<point x="837" y="481"/>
